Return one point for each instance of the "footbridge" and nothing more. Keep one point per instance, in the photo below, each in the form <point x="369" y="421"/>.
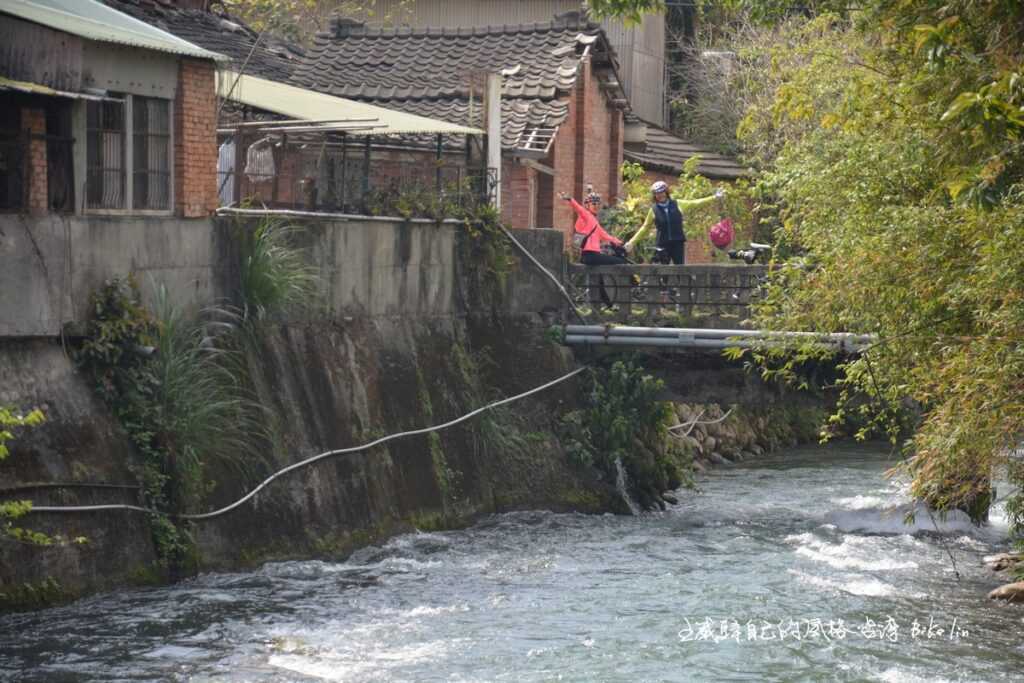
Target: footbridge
<point x="686" y="295"/>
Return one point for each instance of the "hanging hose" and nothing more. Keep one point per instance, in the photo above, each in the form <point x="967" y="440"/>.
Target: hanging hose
<point x="315" y="458"/>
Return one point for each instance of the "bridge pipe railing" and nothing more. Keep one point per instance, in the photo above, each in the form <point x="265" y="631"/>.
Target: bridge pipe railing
<point x="609" y="335"/>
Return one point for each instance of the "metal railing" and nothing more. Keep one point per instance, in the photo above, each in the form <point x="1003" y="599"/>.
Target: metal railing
<point x="638" y="293"/>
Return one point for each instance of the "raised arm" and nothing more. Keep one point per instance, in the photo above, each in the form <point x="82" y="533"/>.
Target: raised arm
<point x="690" y="203"/>
<point x="578" y="208"/>
<point x="648" y="222"/>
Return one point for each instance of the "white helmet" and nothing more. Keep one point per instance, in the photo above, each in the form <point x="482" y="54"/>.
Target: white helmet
<point x="659" y="186"/>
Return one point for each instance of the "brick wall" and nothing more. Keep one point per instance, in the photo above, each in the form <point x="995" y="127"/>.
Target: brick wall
<point x="588" y="148"/>
<point x="33" y="122"/>
<point x="518" y="195"/>
<point x="195" y="139"/>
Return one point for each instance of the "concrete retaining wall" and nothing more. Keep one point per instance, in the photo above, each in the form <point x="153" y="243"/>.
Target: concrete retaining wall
<point x="368" y="266"/>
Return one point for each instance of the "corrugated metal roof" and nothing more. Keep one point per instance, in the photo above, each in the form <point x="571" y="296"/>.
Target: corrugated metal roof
<point x="297" y="103"/>
<point x="95" y="21"/>
<point x="37" y="89"/>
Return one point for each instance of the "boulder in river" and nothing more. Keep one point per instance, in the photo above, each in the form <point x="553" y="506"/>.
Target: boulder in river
<point x="1011" y="592"/>
<point x="718" y="459"/>
<point x="1003" y="561"/>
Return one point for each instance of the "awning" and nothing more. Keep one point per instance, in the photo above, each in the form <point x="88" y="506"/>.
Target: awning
<point x="37" y="89"/>
<point x="308" y="105"/>
<point x="95" y="21"/>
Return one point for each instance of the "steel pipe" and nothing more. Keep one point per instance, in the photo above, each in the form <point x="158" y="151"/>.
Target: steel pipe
<point x="705" y="333"/>
<point x="686" y="340"/>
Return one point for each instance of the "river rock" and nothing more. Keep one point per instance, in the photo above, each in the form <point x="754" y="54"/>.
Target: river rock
<point x="1003" y="560"/>
<point x="670" y="498"/>
<point x="709" y="443"/>
<point x="747" y="455"/>
<point x="718" y="459"/>
<point x="756" y="449"/>
<point x="732" y="454"/>
<point x="1011" y="592"/>
<point x="698" y="466"/>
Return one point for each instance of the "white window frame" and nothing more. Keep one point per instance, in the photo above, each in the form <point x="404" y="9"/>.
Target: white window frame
<point x="129" y="164"/>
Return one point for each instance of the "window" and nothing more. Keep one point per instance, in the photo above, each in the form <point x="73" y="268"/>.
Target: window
<point x="128" y="152"/>
<point x="151" y="172"/>
<point x="13" y="145"/>
<point x="105" y="135"/>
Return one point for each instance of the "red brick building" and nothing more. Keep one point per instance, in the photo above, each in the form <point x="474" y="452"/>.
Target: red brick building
<point x="102" y="115"/>
<point x="562" y="103"/>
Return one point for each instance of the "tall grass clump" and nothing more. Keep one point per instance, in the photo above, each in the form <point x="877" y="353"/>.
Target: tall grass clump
<point x="202" y="406"/>
<point x="178" y="386"/>
<point x="274" y="275"/>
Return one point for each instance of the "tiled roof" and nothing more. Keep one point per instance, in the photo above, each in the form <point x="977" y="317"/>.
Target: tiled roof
<point x="666" y="152"/>
<point x="384" y="64"/>
<point x="517" y="115"/>
<point x="428" y="71"/>
<point x="271" y="59"/>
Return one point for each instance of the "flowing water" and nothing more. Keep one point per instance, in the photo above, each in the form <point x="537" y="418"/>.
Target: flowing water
<point x="783" y="569"/>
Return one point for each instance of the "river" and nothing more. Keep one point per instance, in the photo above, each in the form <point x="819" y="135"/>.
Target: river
<point x="781" y="569"/>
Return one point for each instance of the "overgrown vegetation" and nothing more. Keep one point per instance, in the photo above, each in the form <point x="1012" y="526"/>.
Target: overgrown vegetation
<point x="177" y="388"/>
<point x="15" y="509"/>
<point x="629" y="212"/>
<point x="890" y="144"/>
<point x="274" y="274"/>
<point x="623" y="422"/>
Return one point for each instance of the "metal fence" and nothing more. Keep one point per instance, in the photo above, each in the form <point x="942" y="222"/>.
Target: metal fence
<point x="397" y="176"/>
<point x="639" y="293"/>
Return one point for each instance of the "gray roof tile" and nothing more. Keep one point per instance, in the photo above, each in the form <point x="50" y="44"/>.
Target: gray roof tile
<point x="663" y="151"/>
<point x="426" y="71"/>
<point x="352" y="59"/>
<point x="227" y="35"/>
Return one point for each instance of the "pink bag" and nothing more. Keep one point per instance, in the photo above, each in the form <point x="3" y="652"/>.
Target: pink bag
<point x="722" y="233"/>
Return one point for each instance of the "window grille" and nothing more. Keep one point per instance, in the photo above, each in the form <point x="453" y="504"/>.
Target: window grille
<point x="151" y="150"/>
<point x="105" y="134"/>
<point x="12" y="170"/>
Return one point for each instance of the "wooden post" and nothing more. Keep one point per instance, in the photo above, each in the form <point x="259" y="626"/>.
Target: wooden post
<point x="366" y="171"/>
<point x="437" y="171"/>
<point x="239" y="168"/>
<point x="278" y="160"/>
<point x="344" y="169"/>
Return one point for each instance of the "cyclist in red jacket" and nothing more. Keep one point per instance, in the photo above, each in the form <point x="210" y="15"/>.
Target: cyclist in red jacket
<point x="590" y="232"/>
<point x="591" y="236"/>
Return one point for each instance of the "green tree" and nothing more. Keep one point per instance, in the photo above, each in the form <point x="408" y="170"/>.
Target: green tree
<point x="12" y="510"/>
<point x="890" y="144"/>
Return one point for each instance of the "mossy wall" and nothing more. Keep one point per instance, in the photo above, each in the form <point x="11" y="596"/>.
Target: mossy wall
<point x="375" y="357"/>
